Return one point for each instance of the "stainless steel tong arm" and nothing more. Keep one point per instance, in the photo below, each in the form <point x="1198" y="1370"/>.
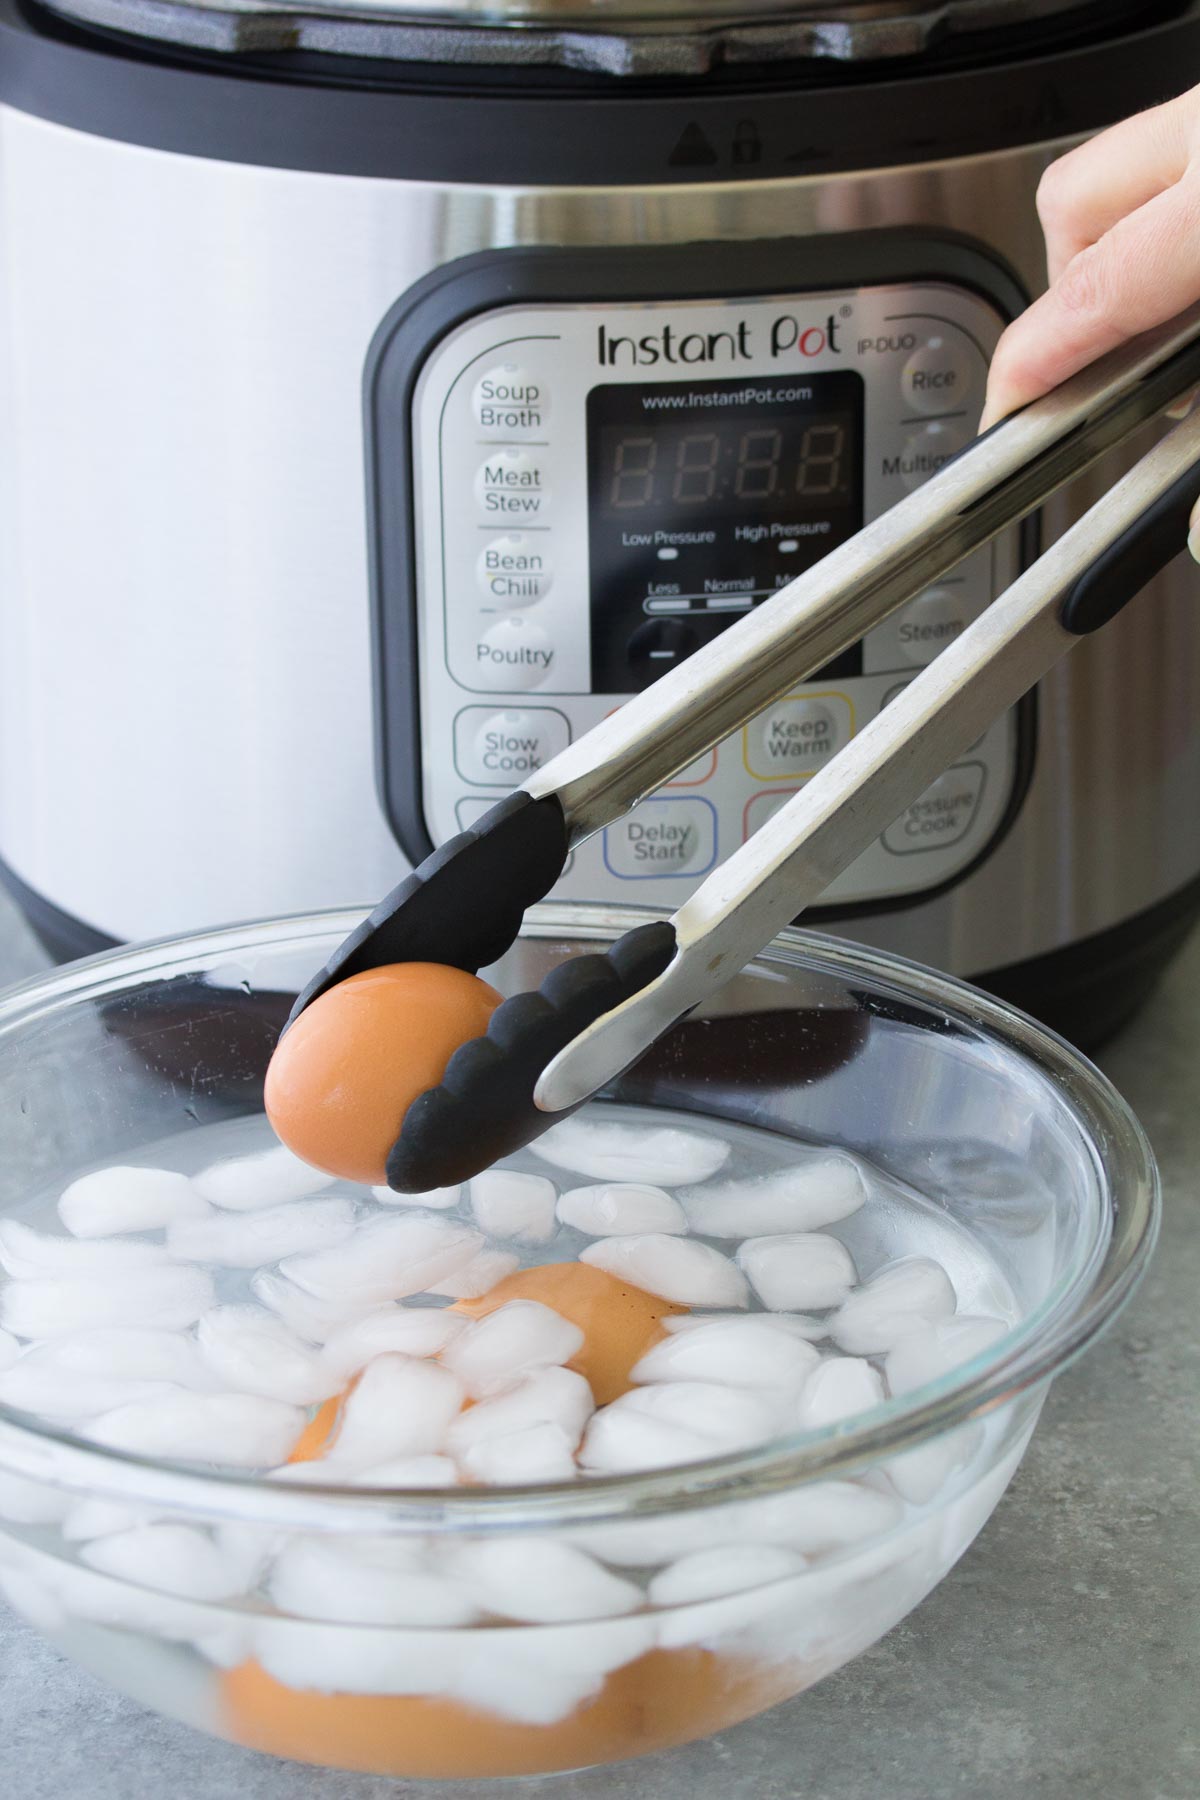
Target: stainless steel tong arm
<point x="793" y="857"/>
<point x="1008" y="473"/>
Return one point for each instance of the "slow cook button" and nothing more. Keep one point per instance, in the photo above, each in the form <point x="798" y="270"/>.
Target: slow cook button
<point x="797" y="737"/>
<point x="515" y="570"/>
<point x="502" y="749"/>
<point x="511" y="402"/>
<point x="926" y="450"/>
<point x="931" y="623"/>
<point x="662" y="838"/>
<point x="511" y="485"/>
<point x="937" y="377"/>
<point x="514" y="654"/>
<point x="942" y="816"/>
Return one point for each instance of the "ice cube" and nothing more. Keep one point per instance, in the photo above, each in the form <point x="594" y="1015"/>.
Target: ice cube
<point x="237" y="1430"/>
<point x="438" y="1199"/>
<point x="267" y="1178"/>
<point x="897" y="1299"/>
<point x="540" y="1581"/>
<point x="162" y="1297"/>
<point x="799" y="1325"/>
<point x="399" y="1406"/>
<point x="722" y="1418"/>
<point x="555" y="1396"/>
<point x="68" y="1396"/>
<point x="128" y="1353"/>
<point x="168" y="1558"/>
<point x="507" y="1204"/>
<point x="619" y="1208"/>
<point x="409" y="1330"/>
<point x="253" y="1352"/>
<point x="840" y="1388"/>
<point x="366" y="1581"/>
<point x="675" y="1268"/>
<point x="485" y="1271"/>
<point x="798" y="1270"/>
<point x="918" y="1475"/>
<point x="536" y="1453"/>
<point x="252" y="1240"/>
<point x="816" y="1192"/>
<point x="620" y="1441"/>
<point x="495" y="1352"/>
<point x="541" y="1677"/>
<point x="607" y="1151"/>
<point x="35" y="1255"/>
<point x="935" y="1350"/>
<point x="404" y="1472"/>
<point x="9" y="1350"/>
<point x="740" y="1351"/>
<point x="339" y="1659"/>
<point x="128" y="1199"/>
<point x="387" y="1259"/>
<point x="710" y="1574"/>
<point x="308" y="1317"/>
<point x="102" y="1518"/>
<point x="25" y="1502"/>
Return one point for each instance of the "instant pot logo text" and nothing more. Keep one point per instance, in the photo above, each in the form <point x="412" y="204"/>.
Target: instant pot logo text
<point x="788" y="337"/>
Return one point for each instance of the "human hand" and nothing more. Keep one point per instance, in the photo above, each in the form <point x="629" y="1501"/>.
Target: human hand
<point x="1121" y="216"/>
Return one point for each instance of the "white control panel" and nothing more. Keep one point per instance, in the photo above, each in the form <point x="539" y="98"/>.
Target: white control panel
<point x="599" y="489"/>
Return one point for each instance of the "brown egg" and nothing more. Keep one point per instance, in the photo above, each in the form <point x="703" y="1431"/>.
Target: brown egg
<point x="344" y="1075"/>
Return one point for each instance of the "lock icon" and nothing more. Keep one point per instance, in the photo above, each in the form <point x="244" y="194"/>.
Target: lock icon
<point x="747" y="145"/>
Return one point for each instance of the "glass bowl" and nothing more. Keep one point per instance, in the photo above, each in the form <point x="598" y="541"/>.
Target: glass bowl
<point x="1021" y="1141"/>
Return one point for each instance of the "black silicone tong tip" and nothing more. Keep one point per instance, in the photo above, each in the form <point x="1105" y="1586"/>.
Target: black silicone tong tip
<point x="464" y="905"/>
<point x="484" y="1107"/>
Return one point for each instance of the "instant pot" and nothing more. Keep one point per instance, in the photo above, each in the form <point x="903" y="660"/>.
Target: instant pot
<point x="391" y="389"/>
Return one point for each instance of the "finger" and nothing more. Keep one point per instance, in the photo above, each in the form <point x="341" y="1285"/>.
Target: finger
<point x="1140" y="274"/>
<point x="1181" y="408"/>
<point x="1194" y="532"/>
<point x="1083" y="194"/>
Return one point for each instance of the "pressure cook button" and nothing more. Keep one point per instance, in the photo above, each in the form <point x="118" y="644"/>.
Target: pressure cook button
<point x="515" y="570"/>
<point x="927" y="450"/>
<point x="662" y="838"/>
<point x="930" y="623"/>
<point x="511" y="402"/>
<point x="797" y="737"/>
<point x="513" y="655"/>
<point x="942" y="816"/>
<point x="502" y="749"/>
<point x="937" y="378"/>
<point x="511" y="486"/>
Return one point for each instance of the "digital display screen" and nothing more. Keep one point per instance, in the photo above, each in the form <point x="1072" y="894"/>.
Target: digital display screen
<point x="705" y="498"/>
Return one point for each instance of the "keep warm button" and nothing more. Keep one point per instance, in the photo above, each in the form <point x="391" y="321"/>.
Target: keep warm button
<point x="662" y="837"/>
<point x="942" y="816"/>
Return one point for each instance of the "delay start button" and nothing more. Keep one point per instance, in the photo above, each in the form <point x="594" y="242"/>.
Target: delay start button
<point x="502" y="749"/>
<point x="515" y="570"/>
<point x="513" y="655"/>
<point x="942" y="816"/>
<point x="662" y="838"/>
<point x="509" y="401"/>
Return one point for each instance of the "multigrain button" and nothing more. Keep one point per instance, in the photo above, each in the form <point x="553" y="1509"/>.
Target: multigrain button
<point x="937" y="378"/>
<point x="511" y="486"/>
<point x="515" y="570"/>
<point x="510" y="401"/>
<point x="515" y="654"/>
<point x="501" y="749"/>
<point x="931" y="622"/>
<point x="926" y="450"/>
<point x="797" y="737"/>
<point x="662" y="838"/>
<point x="942" y="816"/>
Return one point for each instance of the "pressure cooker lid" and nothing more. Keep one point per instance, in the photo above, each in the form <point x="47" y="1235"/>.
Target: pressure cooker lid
<point x="615" y="36"/>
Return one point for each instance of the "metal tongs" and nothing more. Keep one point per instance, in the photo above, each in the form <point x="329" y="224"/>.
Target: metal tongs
<point x="545" y="1053"/>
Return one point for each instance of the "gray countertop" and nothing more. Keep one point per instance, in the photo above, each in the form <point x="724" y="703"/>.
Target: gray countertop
<point x="1057" y="1660"/>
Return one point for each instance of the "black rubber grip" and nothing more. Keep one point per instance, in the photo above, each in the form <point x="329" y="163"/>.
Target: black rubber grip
<point x="484" y="1107"/>
<point x="1133" y="559"/>
<point x="464" y="905"/>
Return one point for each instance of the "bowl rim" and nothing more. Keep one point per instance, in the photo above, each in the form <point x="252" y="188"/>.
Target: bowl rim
<point x="1024" y="1360"/>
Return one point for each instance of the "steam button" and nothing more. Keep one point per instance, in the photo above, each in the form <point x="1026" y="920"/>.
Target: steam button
<point x="930" y="623"/>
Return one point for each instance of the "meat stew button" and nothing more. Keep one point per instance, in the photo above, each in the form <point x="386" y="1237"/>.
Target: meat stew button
<point x="662" y="838"/>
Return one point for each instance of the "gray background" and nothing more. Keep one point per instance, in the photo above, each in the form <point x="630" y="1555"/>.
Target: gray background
<point x="1057" y="1660"/>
